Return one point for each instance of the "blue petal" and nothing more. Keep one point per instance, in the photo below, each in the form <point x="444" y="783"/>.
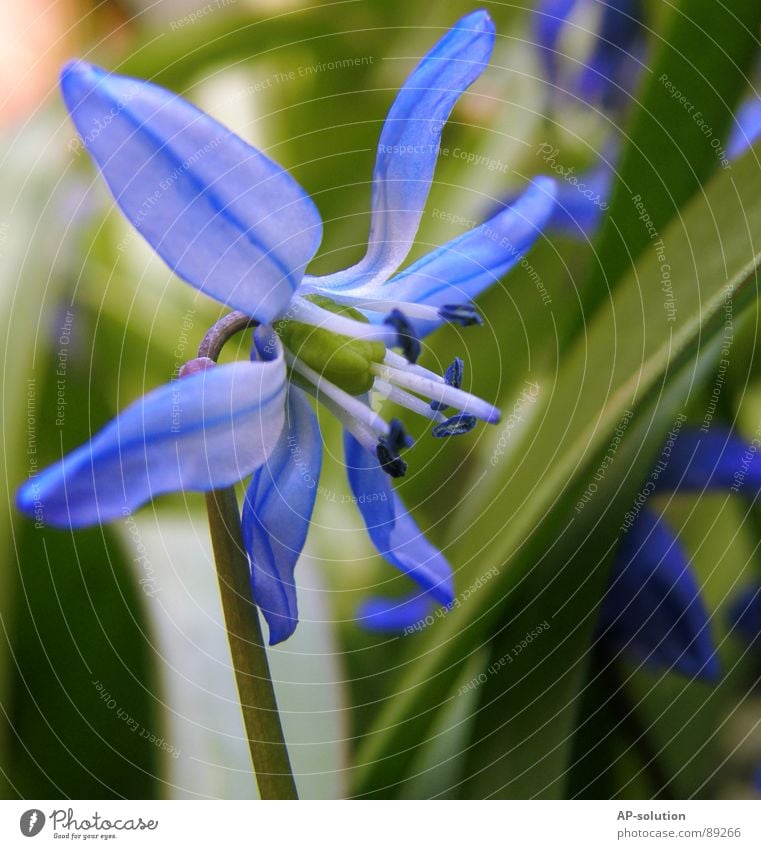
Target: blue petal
<point x="391" y="528"/>
<point x="653" y="607"/>
<point x="549" y="21"/>
<point x="408" y="147"/>
<point x="221" y="214"/>
<point x="201" y="432"/>
<point x="392" y="615"/>
<point x="747" y="128"/>
<point x="464" y="267"/>
<point x="276" y="515"/>
<point x="611" y="70"/>
<point x="715" y="460"/>
<point x="580" y="208"/>
<point x="745" y="614"/>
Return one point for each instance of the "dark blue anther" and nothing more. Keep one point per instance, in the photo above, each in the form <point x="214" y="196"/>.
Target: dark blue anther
<point x="405" y="335"/>
<point x="459" y="424"/>
<point x="391" y="463"/>
<point x="453" y="377"/>
<point x="462" y="314"/>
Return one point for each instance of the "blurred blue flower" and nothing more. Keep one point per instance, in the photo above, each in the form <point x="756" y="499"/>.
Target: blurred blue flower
<point x="607" y="74"/>
<point x="653" y="609"/>
<point x="235" y="225"/>
<point x="745" y="614"/>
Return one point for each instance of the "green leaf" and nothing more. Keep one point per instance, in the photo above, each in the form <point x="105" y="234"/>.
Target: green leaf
<point x="680" y="124"/>
<point x="638" y="356"/>
<point x="83" y="711"/>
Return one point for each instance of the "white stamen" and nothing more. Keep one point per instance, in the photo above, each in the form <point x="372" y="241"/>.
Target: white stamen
<point x="309" y="313"/>
<point x="410" y="310"/>
<point x="366" y="437"/>
<point x="405" y="399"/>
<point x="441" y="392"/>
<point x="353" y="406"/>
<point x="397" y="361"/>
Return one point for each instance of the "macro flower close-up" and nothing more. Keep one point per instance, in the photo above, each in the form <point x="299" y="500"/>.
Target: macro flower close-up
<point x="382" y="418"/>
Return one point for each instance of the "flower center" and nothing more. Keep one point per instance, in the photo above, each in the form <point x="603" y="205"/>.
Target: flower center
<point x="343" y="360"/>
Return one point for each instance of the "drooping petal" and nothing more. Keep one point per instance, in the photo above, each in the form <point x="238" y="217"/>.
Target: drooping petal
<point x="463" y="268"/>
<point x="394" y="615"/>
<point x="222" y="215"/>
<point x="276" y="514"/>
<point x="745" y="614"/>
<point x="391" y="528"/>
<point x="200" y="432"/>
<point x="408" y="147"/>
<point x="653" y="609"/>
<point x="697" y="461"/>
<point x="747" y="128"/>
<point x="581" y="206"/>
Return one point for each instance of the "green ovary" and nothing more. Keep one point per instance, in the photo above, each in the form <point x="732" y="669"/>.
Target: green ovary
<point x="340" y="359"/>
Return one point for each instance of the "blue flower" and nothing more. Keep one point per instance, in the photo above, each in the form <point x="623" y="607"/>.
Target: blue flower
<point x="653" y="609"/>
<point x="605" y="76"/>
<point x="233" y="224"/>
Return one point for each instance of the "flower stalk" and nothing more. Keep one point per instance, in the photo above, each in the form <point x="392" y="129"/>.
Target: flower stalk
<point x="261" y="720"/>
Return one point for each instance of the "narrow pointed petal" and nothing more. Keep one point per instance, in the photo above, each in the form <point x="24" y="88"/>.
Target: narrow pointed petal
<point x="408" y="147"/>
<point x="653" y="608"/>
<point x="717" y="460"/>
<point x="391" y="528"/>
<point x="200" y="432"/>
<point x="222" y="215"/>
<point x="394" y="615"/>
<point x="463" y="268"/>
<point x="580" y="208"/>
<point x="276" y="514"/>
<point x="747" y="128"/>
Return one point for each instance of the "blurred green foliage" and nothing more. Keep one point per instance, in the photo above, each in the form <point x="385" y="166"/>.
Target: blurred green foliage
<point x="555" y="723"/>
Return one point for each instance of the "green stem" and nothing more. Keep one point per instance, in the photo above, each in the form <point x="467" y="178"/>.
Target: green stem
<point x="269" y="754"/>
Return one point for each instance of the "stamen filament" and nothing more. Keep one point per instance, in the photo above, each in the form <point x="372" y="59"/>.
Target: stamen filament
<point x="406" y="399"/>
<point x="310" y="313"/>
<point x="353" y="406"/>
<point x="421" y="311"/>
<point x="441" y="392"/>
